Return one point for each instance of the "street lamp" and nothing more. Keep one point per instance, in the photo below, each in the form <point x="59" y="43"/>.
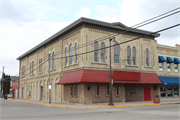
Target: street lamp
<point x="110" y="92"/>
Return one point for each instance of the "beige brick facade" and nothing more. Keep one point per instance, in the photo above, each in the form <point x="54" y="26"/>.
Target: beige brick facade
<point x="36" y="84"/>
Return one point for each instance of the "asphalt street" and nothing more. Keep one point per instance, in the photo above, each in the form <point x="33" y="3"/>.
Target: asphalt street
<point x="23" y="111"/>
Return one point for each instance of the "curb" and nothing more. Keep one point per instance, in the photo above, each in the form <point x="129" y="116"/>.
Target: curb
<point x="41" y="104"/>
<point x="121" y="106"/>
<point x="94" y="107"/>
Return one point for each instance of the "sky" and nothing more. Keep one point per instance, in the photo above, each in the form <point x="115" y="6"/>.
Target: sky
<point x="26" y="23"/>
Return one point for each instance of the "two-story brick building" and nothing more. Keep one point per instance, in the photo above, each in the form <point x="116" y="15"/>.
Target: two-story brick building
<point x="85" y="78"/>
<point x="168" y="71"/>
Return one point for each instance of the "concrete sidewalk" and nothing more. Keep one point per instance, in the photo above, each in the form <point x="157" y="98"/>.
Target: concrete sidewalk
<point x="94" y="105"/>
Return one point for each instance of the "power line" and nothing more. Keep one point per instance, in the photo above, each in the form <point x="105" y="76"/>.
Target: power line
<point x="122" y="42"/>
<point x="115" y="34"/>
<point x="35" y="68"/>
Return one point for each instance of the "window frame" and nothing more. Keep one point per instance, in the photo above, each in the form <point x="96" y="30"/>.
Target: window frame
<point x="176" y="70"/>
<point x="160" y="67"/>
<point x="147" y="57"/>
<point x="102" y="52"/>
<point x="96" y="52"/>
<point x="116" y="54"/>
<point x="66" y="56"/>
<point x="70" y="54"/>
<point x="53" y="60"/>
<point x="168" y="67"/>
<point x="134" y="55"/>
<point x="76" y="47"/>
<point x="128" y="55"/>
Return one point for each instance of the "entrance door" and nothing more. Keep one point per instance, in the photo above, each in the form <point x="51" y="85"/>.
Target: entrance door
<point x="147" y="94"/>
<point x="41" y="93"/>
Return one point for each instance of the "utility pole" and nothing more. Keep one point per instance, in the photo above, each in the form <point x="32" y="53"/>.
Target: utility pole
<point x="49" y="80"/>
<point x="110" y="92"/>
<point x="2" y="82"/>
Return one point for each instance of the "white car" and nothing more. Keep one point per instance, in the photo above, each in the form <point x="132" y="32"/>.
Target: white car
<point x="9" y="95"/>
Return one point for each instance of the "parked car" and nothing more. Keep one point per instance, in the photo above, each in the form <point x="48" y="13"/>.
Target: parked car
<point x="9" y="95"/>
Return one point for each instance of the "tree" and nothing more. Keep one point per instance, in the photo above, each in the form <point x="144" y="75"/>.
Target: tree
<point x="5" y="84"/>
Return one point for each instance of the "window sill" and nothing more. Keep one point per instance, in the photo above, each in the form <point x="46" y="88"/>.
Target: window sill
<point x="97" y="96"/>
<point x="71" y="65"/>
<point x="132" y="66"/>
<point x="31" y="75"/>
<point x="117" y="95"/>
<point x="102" y="63"/>
<point x="39" y="73"/>
<point x="176" y="71"/>
<point x="53" y="69"/>
<point x="148" y="66"/>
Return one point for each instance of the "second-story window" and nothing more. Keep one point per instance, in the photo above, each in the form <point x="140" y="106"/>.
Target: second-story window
<point x="128" y="55"/>
<point x="160" y="66"/>
<point x="49" y="64"/>
<point x="147" y="57"/>
<point x="96" y="52"/>
<point x="76" y="47"/>
<point x="134" y="56"/>
<point x="41" y="64"/>
<point x="116" y="53"/>
<point x="175" y="67"/>
<point x="102" y="52"/>
<point x="65" y="56"/>
<point x="168" y="67"/>
<point x="70" y="54"/>
<point x="53" y="60"/>
<point x="32" y="67"/>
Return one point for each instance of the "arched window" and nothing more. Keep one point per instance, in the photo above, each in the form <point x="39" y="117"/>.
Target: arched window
<point x="134" y="56"/>
<point x="76" y="52"/>
<point x="41" y="64"/>
<point x="53" y="60"/>
<point x="128" y="55"/>
<point x="96" y="52"/>
<point x="30" y="68"/>
<point x="102" y="53"/>
<point x="147" y="57"/>
<point x="70" y="54"/>
<point x="116" y="53"/>
<point x="50" y="60"/>
<point x="65" y="56"/>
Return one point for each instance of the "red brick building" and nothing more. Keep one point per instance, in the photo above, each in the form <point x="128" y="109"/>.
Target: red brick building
<point x="15" y="87"/>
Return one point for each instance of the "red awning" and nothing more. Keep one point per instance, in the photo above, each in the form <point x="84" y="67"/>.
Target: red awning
<point x="99" y="76"/>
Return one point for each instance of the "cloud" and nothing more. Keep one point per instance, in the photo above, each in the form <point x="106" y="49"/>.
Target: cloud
<point x="105" y="13"/>
<point x="133" y="12"/>
<point x="17" y="39"/>
<point x="83" y="12"/>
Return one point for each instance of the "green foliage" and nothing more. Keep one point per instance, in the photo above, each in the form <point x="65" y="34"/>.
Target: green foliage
<point x="6" y="83"/>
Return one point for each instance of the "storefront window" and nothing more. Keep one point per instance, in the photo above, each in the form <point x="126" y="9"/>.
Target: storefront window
<point x="176" y="92"/>
<point x="169" y="91"/>
<point x="163" y="92"/>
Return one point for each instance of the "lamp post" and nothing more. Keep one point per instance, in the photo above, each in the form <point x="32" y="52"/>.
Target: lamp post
<point x="110" y="92"/>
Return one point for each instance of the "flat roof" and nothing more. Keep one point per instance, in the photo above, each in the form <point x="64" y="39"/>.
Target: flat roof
<point x="81" y="21"/>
